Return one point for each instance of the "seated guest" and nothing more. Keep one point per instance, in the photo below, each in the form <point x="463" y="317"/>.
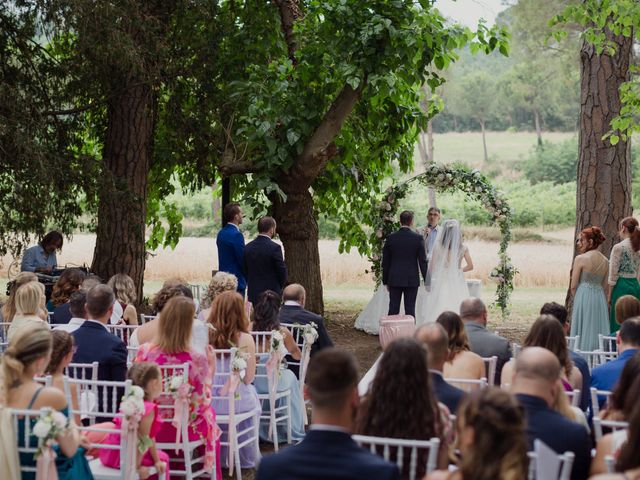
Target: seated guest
<point x="265" y="319"/>
<point x="435" y="338"/>
<point x="70" y="281"/>
<point x="461" y="362"/>
<point x="535" y="383"/>
<point x="614" y="443"/>
<point x="78" y="312"/>
<point x="95" y="343"/>
<point x="627" y="306"/>
<point x="125" y="292"/>
<point x="9" y="307"/>
<point x="146" y="333"/>
<point x="483" y="342"/>
<point x="620" y="402"/>
<point x="41" y="258"/>
<point x="328" y="452"/>
<point x="546" y="332"/>
<point x="561" y="314"/>
<point x="29" y="303"/>
<point x="293" y="311"/>
<point x="413" y="415"/>
<point x="172" y="346"/>
<point x="491" y="439"/>
<point x="230" y="328"/>
<point x="221" y="282"/>
<point x="61" y="355"/>
<point x="605" y="377"/>
<point x="26" y="358"/>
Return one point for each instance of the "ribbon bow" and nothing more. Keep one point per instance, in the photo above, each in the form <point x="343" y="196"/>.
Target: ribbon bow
<point x="180" y="409"/>
<point x="273" y="366"/>
<point x="229" y="390"/>
<point x="46" y="464"/>
<point x="130" y="431"/>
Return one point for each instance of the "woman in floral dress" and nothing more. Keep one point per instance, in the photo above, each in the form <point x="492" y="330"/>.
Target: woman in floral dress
<point x="624" y="266"/>
<point x="172" y="347"/>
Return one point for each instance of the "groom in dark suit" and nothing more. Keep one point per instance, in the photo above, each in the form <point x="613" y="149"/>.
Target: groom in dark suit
<point x="263" y="262"/>
<point x="402" y="255"/>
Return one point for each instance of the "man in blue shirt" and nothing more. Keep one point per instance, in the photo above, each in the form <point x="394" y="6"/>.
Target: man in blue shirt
<point x="606" y="376"/>
<point x="41" y="258"/>
<point x="230" y="242"/>
<point x="430" y="232"/>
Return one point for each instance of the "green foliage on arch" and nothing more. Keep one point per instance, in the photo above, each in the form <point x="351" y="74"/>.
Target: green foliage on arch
<point x="449" y="178"/>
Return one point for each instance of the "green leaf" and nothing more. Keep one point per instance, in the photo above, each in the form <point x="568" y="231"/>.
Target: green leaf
<point x="292" y="136"/>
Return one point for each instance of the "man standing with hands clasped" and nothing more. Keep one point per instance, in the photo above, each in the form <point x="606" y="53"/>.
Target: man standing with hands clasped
<point x="430" y="232"/>
<point x="402" y="255"/>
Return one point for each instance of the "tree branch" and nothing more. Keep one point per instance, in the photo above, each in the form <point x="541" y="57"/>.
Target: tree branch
<point x="290" y="11"/>
<point x="237" y="167"/>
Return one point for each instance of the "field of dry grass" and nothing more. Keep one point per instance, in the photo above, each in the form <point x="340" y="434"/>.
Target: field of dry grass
<point x="541" y="264"/>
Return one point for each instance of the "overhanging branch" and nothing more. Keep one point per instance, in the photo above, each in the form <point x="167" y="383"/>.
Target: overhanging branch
<point x="290" y="11"/>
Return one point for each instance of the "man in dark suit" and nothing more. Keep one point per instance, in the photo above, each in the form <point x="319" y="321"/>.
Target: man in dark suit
<point x="263" y="262"/>
<point x="606" y="376"/>
<point x="403" y="260"/>
<point x="328" y="452"/>
<point x="560" y="313"/>
<point x="435" y="338"/>
<point x="536" y="383"/>
<point x="95" y="343"/>
<point x="483" y="342"/>
<point x="230" y="242"/>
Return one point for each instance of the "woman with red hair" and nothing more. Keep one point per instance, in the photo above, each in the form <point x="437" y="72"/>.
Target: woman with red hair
<point x="590" y="313"/>
<point x="624" y="267"/>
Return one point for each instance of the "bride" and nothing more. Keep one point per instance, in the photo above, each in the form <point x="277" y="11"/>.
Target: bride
<point x="446" y="285"/>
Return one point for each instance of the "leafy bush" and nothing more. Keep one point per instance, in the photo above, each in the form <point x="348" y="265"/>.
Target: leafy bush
<point x="552" y="162"/>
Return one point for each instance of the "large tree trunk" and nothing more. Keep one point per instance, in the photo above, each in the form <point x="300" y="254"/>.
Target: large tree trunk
<point x="122" y="210"/>
<point x="536" y="120"/>
<point x="604" y="170"/>
<point x="298" y="230"/>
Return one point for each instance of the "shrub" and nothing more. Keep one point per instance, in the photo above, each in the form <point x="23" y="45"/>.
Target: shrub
<point x="552" y="162"/>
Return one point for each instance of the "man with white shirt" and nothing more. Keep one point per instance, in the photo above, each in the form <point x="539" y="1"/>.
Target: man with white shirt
<point x="328" y="451"/>
<point x="263" y="262"/>
<point x="95" y="343"/>
<point x="77" y="302"/>
<point x="430" y="232"/>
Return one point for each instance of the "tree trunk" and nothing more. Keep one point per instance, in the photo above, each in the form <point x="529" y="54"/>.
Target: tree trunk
<point x="422" y="149"/>
<point x="298" y="230"/>
<point x="484" y="142"/>
<point x="536" y="120"/>
<point x="430" y="149"/>
<point x="604" y="170"/>
<point x="122" y="209"/>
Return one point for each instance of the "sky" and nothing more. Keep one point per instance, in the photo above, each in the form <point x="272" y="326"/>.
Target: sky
<point x="468" y="12"/>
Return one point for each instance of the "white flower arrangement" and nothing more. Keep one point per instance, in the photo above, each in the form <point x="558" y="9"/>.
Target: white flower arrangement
<point x="178" y="388"/>
<point x="277" y="343"/>
<point x="49" y="426"/>
<point x="310" y="333"/>
<point x="132" y="405"/>
<point x="239" y="363"/>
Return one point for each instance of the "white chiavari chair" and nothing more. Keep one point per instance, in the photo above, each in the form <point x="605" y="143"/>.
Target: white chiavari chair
<point x="146" y="318"/>
<point x="95" y="398"/>
<point x="468" y="384"/>
<point x="297" y="330"/>
<point x="574" y="397"/>
<point x="123" y="332"/>
<point x="566" y="464"/>
<point x="609" y="345"/>
<point x="491" y="369"/>
<point x="598" y="397"/>
<point x="279" y="402"/>
<point x="190" y="463"/>
<point x="401" y="451"/>
<point x="573" y="342"/>
<point x="599" y="425"/>
<point x="228" y="419"/>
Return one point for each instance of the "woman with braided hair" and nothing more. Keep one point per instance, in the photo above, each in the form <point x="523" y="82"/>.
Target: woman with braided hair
<point x="624" y="267"/>
<point x="491" y="439"/>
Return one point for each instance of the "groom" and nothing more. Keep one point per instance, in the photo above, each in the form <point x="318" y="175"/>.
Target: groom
<point x="402" y="254"/>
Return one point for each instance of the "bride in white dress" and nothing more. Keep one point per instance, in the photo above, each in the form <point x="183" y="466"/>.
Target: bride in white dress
<point x="446" y="285"/>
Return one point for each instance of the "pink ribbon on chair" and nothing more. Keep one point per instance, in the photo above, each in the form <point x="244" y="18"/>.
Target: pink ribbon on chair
<point x="231" y="385"/>
<point x="272" y="366"/>
<point x="180" y="407"/>
<point x="130" y="430"/>
<point x="229" y="390"/>
<point x="304" y="364"/>
<point x="46" y="464"/>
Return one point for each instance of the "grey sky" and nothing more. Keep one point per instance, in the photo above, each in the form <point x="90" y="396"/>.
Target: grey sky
<point x="468" y="12"/>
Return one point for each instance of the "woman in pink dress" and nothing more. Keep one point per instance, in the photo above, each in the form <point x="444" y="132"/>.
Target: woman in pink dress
<point x="148" y="377"/>
<point x="171" y="346"/>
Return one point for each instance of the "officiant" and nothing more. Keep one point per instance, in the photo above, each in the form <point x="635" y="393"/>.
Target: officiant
<point x="430" y="231"/>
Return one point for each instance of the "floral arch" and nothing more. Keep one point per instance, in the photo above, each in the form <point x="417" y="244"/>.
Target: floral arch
<point x="450" y="178"/>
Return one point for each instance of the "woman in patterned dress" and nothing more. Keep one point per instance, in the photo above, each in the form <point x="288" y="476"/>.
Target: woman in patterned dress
<point x="624" y="266"/>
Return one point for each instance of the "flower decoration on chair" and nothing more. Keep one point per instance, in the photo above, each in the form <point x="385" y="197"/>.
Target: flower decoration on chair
<point x="49" y="426"/>
<point x="450" y="178"/>
<point x="181" y="392"/>
<point x="310" y="333"/>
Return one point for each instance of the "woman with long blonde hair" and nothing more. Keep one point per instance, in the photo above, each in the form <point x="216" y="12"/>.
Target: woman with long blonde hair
<point x="29" y="302"/>
<point x="9" y="307"/>
<point x="125" y="292"/>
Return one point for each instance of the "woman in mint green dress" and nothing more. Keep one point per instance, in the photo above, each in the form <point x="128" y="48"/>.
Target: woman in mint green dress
<point x="590" y="313"/>
<point x="624" y="266"/>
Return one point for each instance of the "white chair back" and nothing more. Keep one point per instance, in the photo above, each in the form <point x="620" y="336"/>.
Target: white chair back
<point x="594" y="358"/>
<point x="573" y="342"/>
<point x="595" y="400"/>
<point x="608" y="343"/>
<point x="599" y="424"/>
<point x="123" y="332"/>
<point x="297" y="331"/>
<point x="574" y="397"/>
<point x="400" y="452"/>
<point x="468" y="384"/>
<point x="566" y="464"/>
<point x="26" y="438"/>
<point x="96" y="398"/>
<point x="146" y="318"/>
<point x="82" y="371"/>
<point x="491" y="368"/>
<point x="45" y="381"/>
<point x="196" y="291"/>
